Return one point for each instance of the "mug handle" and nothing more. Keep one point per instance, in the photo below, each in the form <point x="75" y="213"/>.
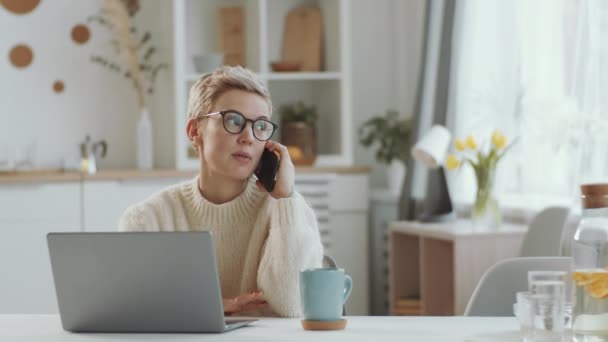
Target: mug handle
<point x="348" y="287"/>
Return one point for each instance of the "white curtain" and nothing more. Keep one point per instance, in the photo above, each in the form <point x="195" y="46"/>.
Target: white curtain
<point x="538" y="71"/>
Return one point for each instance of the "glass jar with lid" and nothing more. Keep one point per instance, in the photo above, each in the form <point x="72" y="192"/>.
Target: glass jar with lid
<point x="590" y="253"/>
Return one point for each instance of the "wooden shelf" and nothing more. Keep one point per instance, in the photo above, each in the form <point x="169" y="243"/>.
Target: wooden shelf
<point x="407" y="306"/>
<point x="303" y="76"/>
<point x="287" y="76"/>
<point x="62" y="176"/>
<point x="39" y="176"/>
<point x="66" y="176"/>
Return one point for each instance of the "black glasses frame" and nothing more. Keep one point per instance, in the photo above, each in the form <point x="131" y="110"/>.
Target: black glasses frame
<point x="224" y="112"/>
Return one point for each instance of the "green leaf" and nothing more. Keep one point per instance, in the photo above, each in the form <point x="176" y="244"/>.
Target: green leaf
<point x="299" y="112"/>
<point x="391" y="134"/>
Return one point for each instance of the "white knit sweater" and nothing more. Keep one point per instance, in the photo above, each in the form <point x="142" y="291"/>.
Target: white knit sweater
<point x="261" y="243"/>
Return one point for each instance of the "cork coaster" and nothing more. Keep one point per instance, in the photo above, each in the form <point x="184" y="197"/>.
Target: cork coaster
<point x="324" y="325"/>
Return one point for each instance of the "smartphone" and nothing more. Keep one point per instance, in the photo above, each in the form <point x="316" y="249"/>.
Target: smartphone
<point x="267" y="169"/>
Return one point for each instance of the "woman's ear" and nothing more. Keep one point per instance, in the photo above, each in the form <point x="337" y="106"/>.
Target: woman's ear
<point x="194" y="134"/>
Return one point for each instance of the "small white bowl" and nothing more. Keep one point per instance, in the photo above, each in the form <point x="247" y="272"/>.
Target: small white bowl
<point x="207" y="62"/>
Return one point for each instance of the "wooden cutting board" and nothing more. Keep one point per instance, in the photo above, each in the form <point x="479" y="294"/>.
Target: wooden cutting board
<point x="302" y="37"/>
<point x="232" y="35"/>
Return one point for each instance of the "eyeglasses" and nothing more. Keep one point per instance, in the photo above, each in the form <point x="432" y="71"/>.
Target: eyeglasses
<point x="235" y="122"/>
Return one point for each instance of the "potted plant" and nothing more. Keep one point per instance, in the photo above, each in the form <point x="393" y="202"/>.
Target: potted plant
<point x="392" y="135"/>
<point x="299" y="131"/>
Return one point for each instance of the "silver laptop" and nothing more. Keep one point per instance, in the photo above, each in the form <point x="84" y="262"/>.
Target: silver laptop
<point x="138" y="282"/>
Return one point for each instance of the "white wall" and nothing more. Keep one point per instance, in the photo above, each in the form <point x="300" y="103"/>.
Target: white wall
<point x="387" y="38"/>
<point x="94" y="101"/>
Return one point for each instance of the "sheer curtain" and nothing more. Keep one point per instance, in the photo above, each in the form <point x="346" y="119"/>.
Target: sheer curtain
<point x="538" y="71"/>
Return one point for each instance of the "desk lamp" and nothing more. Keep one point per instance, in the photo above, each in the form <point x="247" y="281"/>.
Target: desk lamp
<point x="431" y="150"/>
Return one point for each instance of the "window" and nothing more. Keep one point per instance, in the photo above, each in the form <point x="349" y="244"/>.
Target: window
<point x="538" y="71"/>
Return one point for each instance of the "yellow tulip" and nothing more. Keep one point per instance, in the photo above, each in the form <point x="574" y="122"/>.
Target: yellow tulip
<point x="452" y="162"/>
<point x="459" y="144"/>
<point x="498" y="139"/>
<point x="470" y="143"/>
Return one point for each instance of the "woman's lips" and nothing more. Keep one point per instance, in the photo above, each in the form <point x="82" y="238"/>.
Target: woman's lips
<point x="242" y="157"/>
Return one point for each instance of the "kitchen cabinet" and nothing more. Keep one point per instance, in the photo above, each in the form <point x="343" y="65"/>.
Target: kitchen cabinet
<point x="29" y="212"/>
<point x="105" y="201"/>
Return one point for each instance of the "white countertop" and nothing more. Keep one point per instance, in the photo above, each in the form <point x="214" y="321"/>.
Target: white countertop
<point x="452" y="230"/>
<point x="47" y="328"/>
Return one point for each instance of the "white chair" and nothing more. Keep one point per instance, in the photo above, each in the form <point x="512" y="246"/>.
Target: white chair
<point x="495" y="292"/>
<point x="568" y="233"/>
<point x="544" y="236"/>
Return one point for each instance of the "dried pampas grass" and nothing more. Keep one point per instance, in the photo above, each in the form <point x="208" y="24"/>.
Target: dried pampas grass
<point x="115" y="16"/>
<point x="118" y="17"/>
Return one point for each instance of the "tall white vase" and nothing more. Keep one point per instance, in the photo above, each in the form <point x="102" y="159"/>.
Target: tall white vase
<point x="145" y="155"/>
<point x="395" y="176"/>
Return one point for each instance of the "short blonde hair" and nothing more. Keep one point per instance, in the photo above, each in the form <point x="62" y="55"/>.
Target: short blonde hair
<point x="205" y="92"/>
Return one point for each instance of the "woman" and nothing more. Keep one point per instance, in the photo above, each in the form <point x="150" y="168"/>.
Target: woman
<point x="262" y="239"/>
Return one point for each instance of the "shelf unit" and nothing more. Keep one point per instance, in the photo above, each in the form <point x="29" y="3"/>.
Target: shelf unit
<point x="286" y="76"/>
<point x="196" y="32"/>
<point x="435" y="267"/>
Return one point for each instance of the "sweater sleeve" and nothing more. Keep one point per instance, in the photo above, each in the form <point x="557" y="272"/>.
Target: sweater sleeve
<point x="138" y="218"/>
<point x="293" y="244"/>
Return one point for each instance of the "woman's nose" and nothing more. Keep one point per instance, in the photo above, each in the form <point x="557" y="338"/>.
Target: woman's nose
<point x="246" y="136"/>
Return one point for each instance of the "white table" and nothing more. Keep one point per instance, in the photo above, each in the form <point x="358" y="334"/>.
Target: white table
<point x="47" y="328"/>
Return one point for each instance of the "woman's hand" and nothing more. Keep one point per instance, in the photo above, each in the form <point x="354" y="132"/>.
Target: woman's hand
<point x="247" y="302"/>
<point x="285" y="177"/>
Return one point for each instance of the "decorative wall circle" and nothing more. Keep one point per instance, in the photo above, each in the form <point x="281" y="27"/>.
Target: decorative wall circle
<point x="58" y="86"/>
<point x="21" y="56"/>
<point x="19" y="6"/>
<point x="81" y="34"/>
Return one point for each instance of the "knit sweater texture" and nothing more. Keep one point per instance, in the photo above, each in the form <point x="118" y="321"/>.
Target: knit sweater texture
<point x="261" y="243"/>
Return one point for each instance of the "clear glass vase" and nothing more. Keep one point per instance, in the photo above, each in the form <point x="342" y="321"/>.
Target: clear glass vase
<point x="485" y="213"/>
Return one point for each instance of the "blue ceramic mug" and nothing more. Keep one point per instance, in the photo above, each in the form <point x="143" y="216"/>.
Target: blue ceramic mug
<point x="323" y="292"/>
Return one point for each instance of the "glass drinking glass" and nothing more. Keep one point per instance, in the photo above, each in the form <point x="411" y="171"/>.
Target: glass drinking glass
<point x="534" y="276"/>
<point x="25" y="155"/>
<point x="522" y="310"/>
<point x="547" y="310"/>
